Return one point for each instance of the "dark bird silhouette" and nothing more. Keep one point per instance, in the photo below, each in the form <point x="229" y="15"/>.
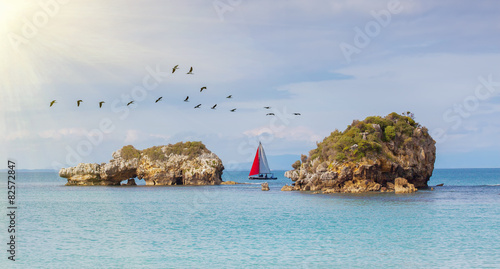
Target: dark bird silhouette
<point x="175" y="68"/>
<point x="267" y="107"/>
<point x="190" y="71"/>
<point x="78" y="102"/>
<point x="187" y="99"/>
<point x="233" y="110"/>
<point x="158" y="100"/>
<point x="52" y="103"/>
<point x="100" y="103"/>
<point x="198" y="106"/>
<point x="296" y="114"/>
<point x="129" y="103"/>
<point x="214" y="106"/>
<point x="270" y="114"/>
<point x="203" y="88"/>
<point x="229" y="97"/>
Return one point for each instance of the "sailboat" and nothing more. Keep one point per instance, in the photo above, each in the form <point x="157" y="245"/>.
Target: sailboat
<point x="260" y="168"/>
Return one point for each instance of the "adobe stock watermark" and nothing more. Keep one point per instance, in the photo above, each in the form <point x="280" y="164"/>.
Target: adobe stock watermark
<point x="267" y="135"/>
<point x="95" y="137"/>
<point x="223" y="6"/>
<point x="455" y="115"/>
<point x="246" y="148"/>
<point x="32" y="26"/>
<point x="372" y="29"/>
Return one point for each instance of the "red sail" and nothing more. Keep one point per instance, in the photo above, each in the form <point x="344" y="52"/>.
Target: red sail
<point x="255" y="167"/>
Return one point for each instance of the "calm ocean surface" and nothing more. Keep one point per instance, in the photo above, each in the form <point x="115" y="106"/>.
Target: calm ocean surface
<point x="455" y="226"/>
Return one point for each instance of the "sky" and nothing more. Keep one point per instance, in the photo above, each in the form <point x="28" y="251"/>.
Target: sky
<point x="333" y="61"/>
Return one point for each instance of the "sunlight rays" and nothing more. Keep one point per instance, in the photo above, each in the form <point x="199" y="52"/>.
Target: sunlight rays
<point x="54" y="40"/>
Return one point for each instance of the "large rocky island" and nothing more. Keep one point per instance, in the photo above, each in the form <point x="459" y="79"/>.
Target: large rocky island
<point x="388" y="154"/>
<point x="189" y="163"/>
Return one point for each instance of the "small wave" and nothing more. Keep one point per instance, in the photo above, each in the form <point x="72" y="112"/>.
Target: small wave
<point x="493" y="185"/>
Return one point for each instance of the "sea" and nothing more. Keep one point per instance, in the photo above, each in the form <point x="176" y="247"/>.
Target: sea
<point x="241" y="226"/>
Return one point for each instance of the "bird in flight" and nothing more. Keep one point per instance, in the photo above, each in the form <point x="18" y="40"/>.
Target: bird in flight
<point x="270" y="114"/>
<point x="187" y="99"/>
<point x="78" y="102"/>
<point x="229" y="97"/>
<point x="296" y="114"/>
<point x="175" y="68"/>
<point x="203" y="88"/>
<point x="158" y="100"/>
<point x="214" y="106"/>
<point x="100" y="103"/>
<point x="267" y="107"/>
<point x="233" y="110"/>
<point x="129" y="103"/>
<point x="198" y="106"/>
<point x="190" y="71"/>
<point x="52" y="103"/>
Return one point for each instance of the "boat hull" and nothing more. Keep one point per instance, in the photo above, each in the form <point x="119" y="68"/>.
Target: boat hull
<point x="262" y="178"/>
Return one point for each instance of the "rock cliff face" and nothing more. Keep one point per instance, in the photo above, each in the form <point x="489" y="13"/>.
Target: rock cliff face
<point x="369" y="156"/>
<point x="187" y="163"/>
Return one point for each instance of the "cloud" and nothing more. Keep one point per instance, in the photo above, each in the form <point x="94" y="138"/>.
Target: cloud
<point x="63" y="132"/>
<point x="295" y="133"/>
<point x="283" y="54"/>
<point x="161" y="136"/>
<point x="17" y="135"/>
<point x="131" y="136"/>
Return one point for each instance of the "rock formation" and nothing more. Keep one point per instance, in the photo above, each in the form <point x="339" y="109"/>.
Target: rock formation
<point x="189" y="163"/>
<point x="369" y="156"/>
<point x="265" y="186"/>
<point x="287" y="188"/>
<point x="231" y="183"/>
<point x="401" y="185"/>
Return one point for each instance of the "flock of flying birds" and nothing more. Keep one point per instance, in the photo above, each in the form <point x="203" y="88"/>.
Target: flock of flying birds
<point x="185" y="100"/>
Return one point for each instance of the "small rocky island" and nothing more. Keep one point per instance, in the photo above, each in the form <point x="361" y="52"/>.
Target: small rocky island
<point x="387" y="154"/>
<point x="189" y="163"/>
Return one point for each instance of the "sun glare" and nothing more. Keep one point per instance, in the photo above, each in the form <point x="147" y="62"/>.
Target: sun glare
<point x="10" y="14"/>
<point x="45" y="43"/>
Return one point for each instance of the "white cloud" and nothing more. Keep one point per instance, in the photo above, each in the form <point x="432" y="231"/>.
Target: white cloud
<point x="289" y="133"/>
<point x="17" y="135"/>
<point x="131" y="136"/>
<point x="63" y="132"/>
<point x="282" y="54"/>
<point x="161" y="136"/>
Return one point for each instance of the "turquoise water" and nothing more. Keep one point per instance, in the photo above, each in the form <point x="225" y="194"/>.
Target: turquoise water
<point x="455" y="226"/>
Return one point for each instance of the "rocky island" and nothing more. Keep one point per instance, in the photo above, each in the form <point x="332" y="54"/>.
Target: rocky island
<point x="189" y="163"/>
<point x="387" y="154"/>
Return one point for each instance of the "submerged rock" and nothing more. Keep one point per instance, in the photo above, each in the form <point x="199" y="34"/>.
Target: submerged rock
<point x="189" y="163"/>
<point x="230" y="183"/>
<point x="287" y="188"/>
<point x="265" y="186"/>
<point x="368" y="156"/>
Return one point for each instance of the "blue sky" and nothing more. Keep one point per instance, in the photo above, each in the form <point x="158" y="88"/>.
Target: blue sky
<point x="438" y="59"/>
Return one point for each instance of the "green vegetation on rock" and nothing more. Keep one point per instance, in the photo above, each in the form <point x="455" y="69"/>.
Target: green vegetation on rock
<point x="155" y="153"/>
<point x="129" y="153"/>
<point x="160" y="153"/>
<point x="365" y="139"/>
<point x="190" y="149"/>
